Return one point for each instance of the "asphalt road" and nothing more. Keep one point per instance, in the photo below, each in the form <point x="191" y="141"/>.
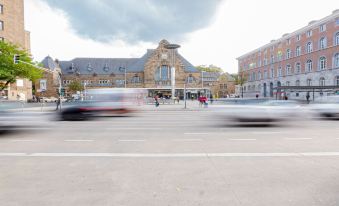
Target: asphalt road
<point x="170" y="158"/>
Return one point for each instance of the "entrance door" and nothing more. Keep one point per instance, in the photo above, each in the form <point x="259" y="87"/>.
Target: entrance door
<point x="271" y="89"/>
<point x="265" y="90"/>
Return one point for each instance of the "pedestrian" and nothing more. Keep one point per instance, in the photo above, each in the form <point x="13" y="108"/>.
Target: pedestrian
<point x="211" y="99"/>
<point x="308" y="97"/>
<point x="257" y="96"/>
<point x="156" y="98"/>
<point x="57" y="104"/>
<point x="178" y="99"/>
<point x="200" y="99"/>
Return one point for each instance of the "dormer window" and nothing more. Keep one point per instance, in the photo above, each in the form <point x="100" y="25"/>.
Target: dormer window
<point x="89" y="67"/>
<point x="106" y="68"/>
<point x="72" y="67"/>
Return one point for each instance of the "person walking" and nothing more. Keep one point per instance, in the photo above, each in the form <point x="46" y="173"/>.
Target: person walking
<point x="308" y="97"/>
<point x="156" y="98"/>
<point x="57" y="104"/>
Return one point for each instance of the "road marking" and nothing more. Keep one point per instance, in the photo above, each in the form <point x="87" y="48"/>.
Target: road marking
<point x="188" y="133"/>
<point x="78" y="140"/>
<point x="24" y="140"/>
<point x="131" y="140"/>
<point x="187" y="140"/>
<point x="266" y="132"/>
<point x="133" y="128"/>
<point x="298" y="138"/>
<point x="242" y="139"/>
<point x="172" y="155"/>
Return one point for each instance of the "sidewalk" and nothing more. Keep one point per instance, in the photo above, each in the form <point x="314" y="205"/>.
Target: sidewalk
<point x="190" y="106"/>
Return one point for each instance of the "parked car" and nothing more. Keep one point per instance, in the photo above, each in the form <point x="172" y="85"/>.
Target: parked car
<point x="48" y="99"/>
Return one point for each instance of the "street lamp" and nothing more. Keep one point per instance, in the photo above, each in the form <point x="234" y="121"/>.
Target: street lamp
<point x="125" y="71"/>
<point x="172" y="48"/>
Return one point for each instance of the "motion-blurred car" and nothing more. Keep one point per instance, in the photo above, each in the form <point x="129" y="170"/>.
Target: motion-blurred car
<point x="101" y="103"/>
<point x="326" y="107"/>
<point x="263" y="113"/>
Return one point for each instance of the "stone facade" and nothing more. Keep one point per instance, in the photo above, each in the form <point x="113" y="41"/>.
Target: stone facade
<point x="306" y="57"/>
<point x="12" y="20"/>
<point x="152" y="72"/>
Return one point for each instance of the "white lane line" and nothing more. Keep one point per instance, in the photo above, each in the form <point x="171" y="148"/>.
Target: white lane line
<point x="173" y="155"/>
<point x="133" y="128"/>
<point x="298" y="138"/>
<point x="266" y="132"/>
<point x="131" y="140"/>
<point x="242" y="139"/>
<point x="24" y="140"/>
<point x="187" y="140"/>
<point x="78" y="140"/>
<point x="188" y="133"/>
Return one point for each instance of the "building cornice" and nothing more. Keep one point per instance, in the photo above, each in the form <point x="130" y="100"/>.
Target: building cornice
<point x="311" y="25"/>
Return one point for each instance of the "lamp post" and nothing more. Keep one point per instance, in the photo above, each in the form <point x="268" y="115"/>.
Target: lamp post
<point x="172" y="48"/>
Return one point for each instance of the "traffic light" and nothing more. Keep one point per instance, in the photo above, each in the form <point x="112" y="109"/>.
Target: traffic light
<point x="16" y="59"/>
<point x="62" y="92"/>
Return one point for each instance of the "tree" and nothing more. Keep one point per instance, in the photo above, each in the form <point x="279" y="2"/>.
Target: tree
<point x="10" y="71"/>
<point x="210" y="68"/>
<point x="240" y="80"/>
<point x="75" y="86"/>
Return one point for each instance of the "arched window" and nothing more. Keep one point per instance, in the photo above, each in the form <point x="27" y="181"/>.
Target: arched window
<point x="336" y="41"/>
<point x="309" y="47"/>
<point x="309" y="82"/>
<point x="322" y="63"/>
<point x="288" y="69"/>
<point x="288" y="54"/>
<point x="298" y="51"/>
<point x="297" y="83"/>
<point x="322" y="43"/>
<point x="309" y="65"/>
<point x="259" y="76"/>
<point x="322" y="81"/>
<point x="336" y="60"/>
<point x="298" y="68"/>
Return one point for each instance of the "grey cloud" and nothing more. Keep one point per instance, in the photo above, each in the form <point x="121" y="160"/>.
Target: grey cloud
<point x="136" y="20"/>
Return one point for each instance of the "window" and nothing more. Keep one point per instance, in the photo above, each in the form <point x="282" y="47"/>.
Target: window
<point x="336" y="41"/>
<point x="288" y="54"/>
<point x="265" y="74"/>
<point x="297" y="83"/>
<point x="288" y="83"/>
<point x="322" y="81"/>
<point x="322" y="43"/>
<point x="309" y="66"/>
<point x="136" y="79"/>
<point x="298" y="51"/>
<point x="1" y="9"/>
<point x="272" y="72"/>
<point x="336" y="60"/>
<point x="190" y="79"/>
<point x="288" y="69"/>
<point x="119" y="82"/>
<point x="272" y="58"/>
<point x="103" y="81"/>
<point x="309" y="82"/>
<point x="288" y="41"/>
<point x="322" y="63"/>
<point x="259" y="76"/>
<point x="162" y="73"/>
<point x="280" y="72"/>
<point x="309" y="47"/>
<point x="336" y="81"/>
<point x="309" y="33"/>
<point x="297" y="68"/>
<point x="322" y="28"/>
<point x="1" y="25"/>
<point x="298" y="37"/>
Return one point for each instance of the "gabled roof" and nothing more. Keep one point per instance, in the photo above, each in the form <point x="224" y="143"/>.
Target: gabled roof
<point x="49" y="63"/>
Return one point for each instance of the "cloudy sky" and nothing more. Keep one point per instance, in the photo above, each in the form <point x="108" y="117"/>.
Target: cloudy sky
<point x="209" y="31"/>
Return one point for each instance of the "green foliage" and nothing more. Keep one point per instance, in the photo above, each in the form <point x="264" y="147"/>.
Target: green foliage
<point x="9" y="71"/>
<point x="210" y="68"/>
<point x="239" y="79"/>
<point x="75" y="86"/>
